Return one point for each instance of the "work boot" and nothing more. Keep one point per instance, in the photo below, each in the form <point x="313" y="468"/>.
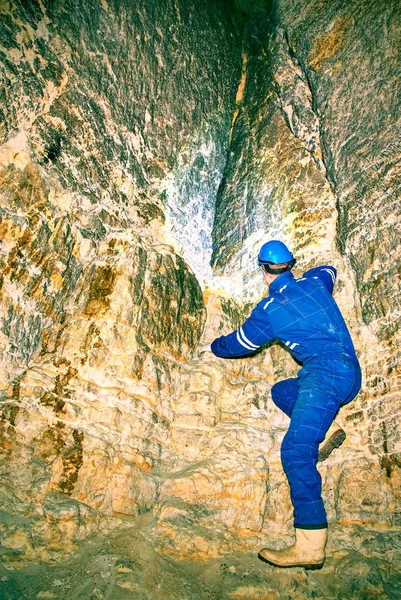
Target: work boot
<point x="334" y="438"/>
<point x="307" y="552"/>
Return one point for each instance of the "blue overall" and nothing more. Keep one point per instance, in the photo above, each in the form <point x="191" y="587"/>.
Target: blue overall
<point x="303" y="316"/>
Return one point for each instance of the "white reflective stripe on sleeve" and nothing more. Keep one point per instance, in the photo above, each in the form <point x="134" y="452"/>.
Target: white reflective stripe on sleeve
<point x="268" y="302"/>
<point x="331" y="273"/>
<point x="242" y="334"/>
<point x="243" y="343"/>
<point x="293" y="345"/>
<point x="288" y="343"/>
<point x="283" y="288"/>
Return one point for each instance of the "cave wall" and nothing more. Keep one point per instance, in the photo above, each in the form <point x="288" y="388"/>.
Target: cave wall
<point x="109" y="112"/>
<point x="140" y="142"/>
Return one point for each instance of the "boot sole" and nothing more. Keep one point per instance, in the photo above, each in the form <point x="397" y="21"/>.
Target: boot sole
<point x="307" y="567"/>
<point x="332" y="443"/>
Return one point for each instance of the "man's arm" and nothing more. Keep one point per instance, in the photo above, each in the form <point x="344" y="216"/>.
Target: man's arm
<point x="326" y="274"/>
<point x="254" y="333"/>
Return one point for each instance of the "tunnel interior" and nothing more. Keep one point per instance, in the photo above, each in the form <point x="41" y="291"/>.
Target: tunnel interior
<point x="147" y="150"/>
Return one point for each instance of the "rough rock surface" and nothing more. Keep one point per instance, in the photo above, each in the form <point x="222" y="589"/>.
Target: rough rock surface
<point x="141" y="143"/>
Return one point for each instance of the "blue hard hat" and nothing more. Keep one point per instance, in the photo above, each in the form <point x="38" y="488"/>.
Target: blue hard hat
<point x="274" y="252"/>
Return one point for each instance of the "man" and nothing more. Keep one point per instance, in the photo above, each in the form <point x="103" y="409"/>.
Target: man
<point x="303" y="316"/>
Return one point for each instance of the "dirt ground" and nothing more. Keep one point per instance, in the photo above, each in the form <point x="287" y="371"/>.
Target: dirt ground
<point x="125" y="566"/>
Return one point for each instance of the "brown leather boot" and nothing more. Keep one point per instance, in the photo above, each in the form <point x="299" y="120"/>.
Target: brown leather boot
<point x="307" y="552"/>
<point x="334" y="438"/>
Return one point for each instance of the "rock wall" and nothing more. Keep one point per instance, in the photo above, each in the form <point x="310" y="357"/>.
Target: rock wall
<point x="109" y="112"/>
<point x="146" y="150"/>
<point x="353" y="80"/>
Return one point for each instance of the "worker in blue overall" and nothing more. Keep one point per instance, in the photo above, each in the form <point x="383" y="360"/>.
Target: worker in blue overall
<point x="303" y="316"/>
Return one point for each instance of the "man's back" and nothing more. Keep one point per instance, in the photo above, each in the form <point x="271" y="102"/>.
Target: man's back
<point x="304" y="316"/>
<point x="301" y="313"/>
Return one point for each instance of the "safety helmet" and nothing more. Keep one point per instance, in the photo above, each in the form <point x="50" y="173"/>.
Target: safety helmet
<point x="275" y="253"/>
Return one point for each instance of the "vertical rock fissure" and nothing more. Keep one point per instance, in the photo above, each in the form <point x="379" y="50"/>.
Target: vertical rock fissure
<point x="298" y="67"/>
<point x="321" y="153"/>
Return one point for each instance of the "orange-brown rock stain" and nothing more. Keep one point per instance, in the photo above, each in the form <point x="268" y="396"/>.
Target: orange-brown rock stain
<point x="141" y="463"/>
<point x="328" y="44"/>
<point x="240" y="93"/>
<point x="56" y="398"/>
<point x="101" y="287"/>
<point x="50" y="442"/>
<point x="39" y="256"/>
<point x="7" y="420"/>
<point x="72" y="458"/>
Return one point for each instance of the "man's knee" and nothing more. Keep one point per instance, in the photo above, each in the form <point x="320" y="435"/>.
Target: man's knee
<point x="284" y="391"/>
<point x="284" y="394"/>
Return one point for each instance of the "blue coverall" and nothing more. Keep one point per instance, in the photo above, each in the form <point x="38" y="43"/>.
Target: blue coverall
<point x="302" y="314"/>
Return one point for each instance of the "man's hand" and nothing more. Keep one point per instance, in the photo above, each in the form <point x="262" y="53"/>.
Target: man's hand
<point x="205" y="348"/>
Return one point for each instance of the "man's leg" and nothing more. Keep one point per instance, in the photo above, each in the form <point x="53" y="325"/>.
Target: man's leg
<point x="285" y="394"/>
<point x="320" y="394"/>
<point x="335" y="436"/>
<point x="311" y="417"/>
